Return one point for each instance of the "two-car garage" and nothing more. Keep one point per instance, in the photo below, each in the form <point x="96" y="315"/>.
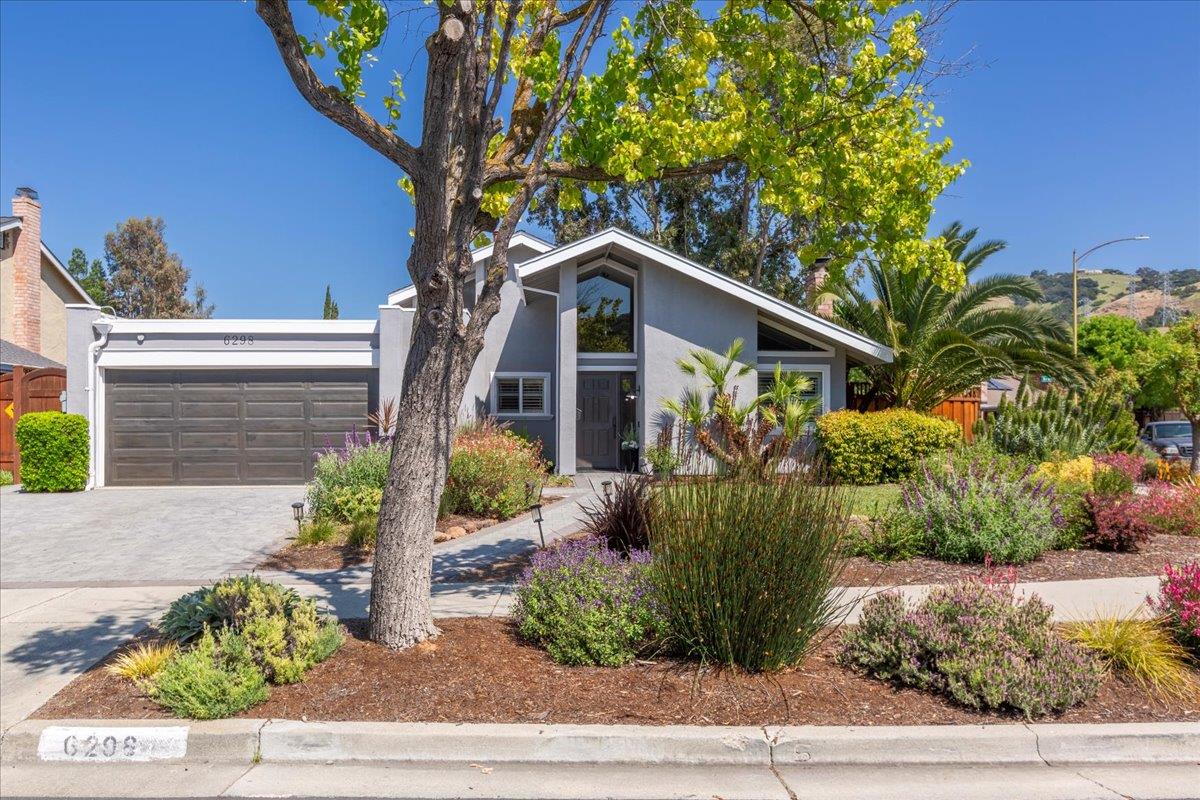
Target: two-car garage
<point x="228" y="426"/>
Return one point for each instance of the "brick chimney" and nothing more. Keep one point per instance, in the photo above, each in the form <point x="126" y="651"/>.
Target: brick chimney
<point x="27" y="271"/>
<point x="812" y="286"/>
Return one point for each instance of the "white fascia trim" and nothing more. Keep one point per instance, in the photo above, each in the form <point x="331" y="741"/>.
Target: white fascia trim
<point x="613" y="356"/>
<point x="494" y="395"/>
<point x="10" y="224"/>
<point x="821" y="368"/>
<point x="615" y="368"/>
<point x="200" y="359"/>
<point x="477" y="255"/>
<point x="232" y="326"/>
<point x="823" y="327"/>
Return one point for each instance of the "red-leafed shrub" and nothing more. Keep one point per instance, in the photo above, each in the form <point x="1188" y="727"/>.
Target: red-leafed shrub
<point x="1118" y="522"/>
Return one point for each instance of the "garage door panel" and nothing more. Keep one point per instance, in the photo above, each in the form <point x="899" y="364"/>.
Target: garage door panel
<point x="196" y="441"/>
<point x="268" y="409"/>
<point x="211" y="471"/>
<point x="227" y="426"/>
<point x="143" y="409"/>
<point x="144" y="440"/>
<point x="276" y="439"/>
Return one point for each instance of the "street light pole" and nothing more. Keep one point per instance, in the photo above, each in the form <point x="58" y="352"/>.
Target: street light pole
<point x="1075" y="261"/>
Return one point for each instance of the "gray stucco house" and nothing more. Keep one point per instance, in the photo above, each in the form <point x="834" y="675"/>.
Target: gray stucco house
<point x="583" y="352"/>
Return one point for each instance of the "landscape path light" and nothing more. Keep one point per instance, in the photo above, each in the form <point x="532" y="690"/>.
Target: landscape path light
<point x="298" y="513"/>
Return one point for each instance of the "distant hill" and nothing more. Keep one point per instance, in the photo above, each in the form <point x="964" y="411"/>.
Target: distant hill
<point x="1138" y="296"/>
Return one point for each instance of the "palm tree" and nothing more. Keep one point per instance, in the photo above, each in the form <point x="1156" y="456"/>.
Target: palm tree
<point x="750" y="438"/>
<point x="945" y="342"/>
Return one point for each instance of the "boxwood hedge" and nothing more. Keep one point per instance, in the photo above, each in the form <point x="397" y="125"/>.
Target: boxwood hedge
<point x="54" y="451"/>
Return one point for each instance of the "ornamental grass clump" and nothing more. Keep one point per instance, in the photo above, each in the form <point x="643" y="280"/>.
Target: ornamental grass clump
<point x="622" y="519"/>
<point x="974" y="642"/>
<point x="745" y="568"/>
<point x="983" y="508"/>
<point x="1141" y="649"/>
<point x="588" y="605"/>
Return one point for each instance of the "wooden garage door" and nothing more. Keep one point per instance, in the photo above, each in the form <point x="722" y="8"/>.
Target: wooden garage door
<point x="226" y="426"/>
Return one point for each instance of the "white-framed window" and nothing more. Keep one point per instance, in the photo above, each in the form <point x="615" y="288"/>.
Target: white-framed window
<point x="818" y="374"/>
<point x="521" y="394"/>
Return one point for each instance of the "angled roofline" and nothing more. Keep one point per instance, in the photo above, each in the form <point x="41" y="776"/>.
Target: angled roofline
<point x="15" y="222"/>
<point x="852" y="341"/>
<point x="477" y="255"/>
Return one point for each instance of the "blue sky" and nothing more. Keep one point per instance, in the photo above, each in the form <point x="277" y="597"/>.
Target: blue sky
<point x="1081" y="120"/>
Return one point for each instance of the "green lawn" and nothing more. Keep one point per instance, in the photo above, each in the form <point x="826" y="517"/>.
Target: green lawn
<point x="869" y="501"/>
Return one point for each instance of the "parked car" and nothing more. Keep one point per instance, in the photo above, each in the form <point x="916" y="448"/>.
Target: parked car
<point x="1173" y="438"/>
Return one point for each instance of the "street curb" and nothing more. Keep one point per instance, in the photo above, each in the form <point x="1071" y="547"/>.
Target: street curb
<point x="285" y="741"/>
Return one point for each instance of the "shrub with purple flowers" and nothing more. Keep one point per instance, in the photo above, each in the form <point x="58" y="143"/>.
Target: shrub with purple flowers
<point x="356" y="470"/>
<point x="975" y="643"/>
<point x="1178" y="602"/>
<point x="980" y="508"/>
<point x="588" y="605"/>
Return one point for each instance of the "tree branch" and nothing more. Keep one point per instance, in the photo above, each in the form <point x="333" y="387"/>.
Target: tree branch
<point x="325" y="99"/>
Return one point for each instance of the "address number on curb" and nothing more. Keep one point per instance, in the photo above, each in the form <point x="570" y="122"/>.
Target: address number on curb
<point x="61" y="743"/>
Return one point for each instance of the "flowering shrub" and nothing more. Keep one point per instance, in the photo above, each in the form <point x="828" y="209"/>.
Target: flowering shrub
<point x="1079" y="471"/>
<point x="1131" y="465"/>
<point x="1172" y="471"/>
<point x="1171" y="508"/>
<point x="490" y="468"/>
<point x="973" y="642"/>
<point x="1122" y="522"/>
<point x="1178" y="602"/>
<point x="360" y="465"/>
<point x="586" y="604"/>
<point x="982" y="508"/>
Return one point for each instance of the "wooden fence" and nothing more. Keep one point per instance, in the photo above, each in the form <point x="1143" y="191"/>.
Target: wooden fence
<point x="963" y="409"/>
<point x="24" y="390"/>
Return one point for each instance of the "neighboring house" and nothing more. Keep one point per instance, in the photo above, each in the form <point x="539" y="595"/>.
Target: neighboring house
<point x="35" y="289"/>
<point x="585" y="346"/>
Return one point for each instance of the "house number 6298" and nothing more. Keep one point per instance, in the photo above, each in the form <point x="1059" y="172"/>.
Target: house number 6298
<point x="239" y="340"/>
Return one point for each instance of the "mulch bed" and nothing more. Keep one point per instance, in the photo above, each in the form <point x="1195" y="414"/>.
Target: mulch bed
<point x="337" y="555"/>
<point x="1056" y="565"/>
<point x="478" y="671"/>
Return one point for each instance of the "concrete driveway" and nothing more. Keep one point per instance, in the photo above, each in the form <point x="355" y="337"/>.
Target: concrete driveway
<point x="119" y="536"/>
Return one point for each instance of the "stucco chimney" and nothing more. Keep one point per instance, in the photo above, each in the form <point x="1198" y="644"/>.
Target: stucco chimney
<point x="27" y="271"/>
<point x="812" y="286"/>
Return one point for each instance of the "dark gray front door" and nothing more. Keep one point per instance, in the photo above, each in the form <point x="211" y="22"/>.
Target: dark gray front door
<point x="596" y="445"/>
<point x="227" y="426"/>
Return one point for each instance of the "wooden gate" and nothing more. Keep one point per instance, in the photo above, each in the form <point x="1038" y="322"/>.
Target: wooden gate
<point x="25" y="390"/>
<point x="963" y="409"/>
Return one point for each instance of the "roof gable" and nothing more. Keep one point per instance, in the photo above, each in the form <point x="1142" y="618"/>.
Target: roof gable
<point x="806" y="321"/>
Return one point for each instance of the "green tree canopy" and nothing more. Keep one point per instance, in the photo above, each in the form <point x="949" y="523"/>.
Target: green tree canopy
<point x="91" y="276"/>
<point x="330" y="311"/>
<point x="1174" y="364"/>
<point x="947" y="341"/>
<point x="519" y="93"/>
<point x="146" y="280"/>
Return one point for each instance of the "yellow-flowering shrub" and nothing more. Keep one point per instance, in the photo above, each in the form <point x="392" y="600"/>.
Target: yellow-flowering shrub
<point x="1076" y="471"/>
<point x="881" y="446"/>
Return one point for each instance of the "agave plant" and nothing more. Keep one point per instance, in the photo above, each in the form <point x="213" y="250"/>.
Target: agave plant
<point x="750" y="438"/>
<point x="945" y="342"/>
